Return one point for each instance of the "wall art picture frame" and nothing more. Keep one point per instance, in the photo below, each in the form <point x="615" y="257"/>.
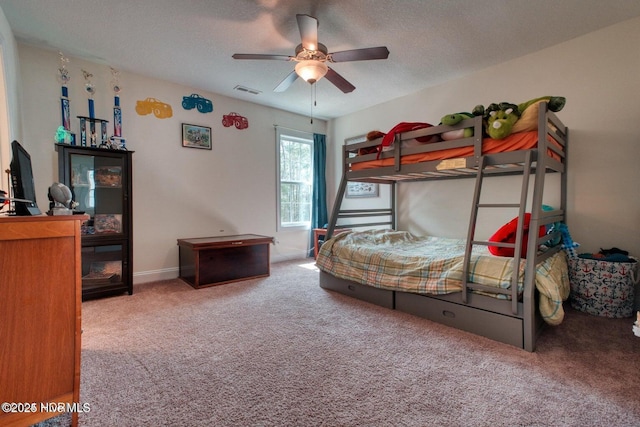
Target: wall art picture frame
<point x="360" y="189"/>
<point x="196" y="136"/>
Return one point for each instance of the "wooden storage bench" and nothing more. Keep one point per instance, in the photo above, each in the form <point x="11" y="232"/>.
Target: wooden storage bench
<point x="209" y="261"/>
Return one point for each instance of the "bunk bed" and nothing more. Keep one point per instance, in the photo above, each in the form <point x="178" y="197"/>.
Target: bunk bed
<point x="450" y="286"/>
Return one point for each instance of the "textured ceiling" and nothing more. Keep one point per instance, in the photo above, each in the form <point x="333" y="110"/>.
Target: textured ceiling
<point x="190" y="42"/>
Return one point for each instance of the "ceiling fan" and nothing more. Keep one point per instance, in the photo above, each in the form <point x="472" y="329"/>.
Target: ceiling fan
<point x="311" y="58"/>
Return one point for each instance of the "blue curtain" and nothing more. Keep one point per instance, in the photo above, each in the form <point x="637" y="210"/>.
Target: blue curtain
<point x="319" y="215"/>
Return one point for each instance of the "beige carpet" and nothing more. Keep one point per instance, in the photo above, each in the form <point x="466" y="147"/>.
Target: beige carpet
<point x="281" y="351"/>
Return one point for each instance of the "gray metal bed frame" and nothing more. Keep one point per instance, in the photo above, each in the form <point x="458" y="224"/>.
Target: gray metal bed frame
<point x="515" y="320"/>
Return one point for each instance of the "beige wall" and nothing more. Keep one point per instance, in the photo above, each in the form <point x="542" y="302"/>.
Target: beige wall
<point x="599" y="74"/>
<point x="178" y="192"/>
<point x="9" y="106"/>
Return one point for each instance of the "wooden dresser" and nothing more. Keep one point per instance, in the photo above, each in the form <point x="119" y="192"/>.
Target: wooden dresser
<point x="40" y="306"/>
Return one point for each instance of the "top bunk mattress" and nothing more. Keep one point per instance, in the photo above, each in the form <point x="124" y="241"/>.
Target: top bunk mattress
<point x="514" y="142"/>
<point x="397" y="260"/>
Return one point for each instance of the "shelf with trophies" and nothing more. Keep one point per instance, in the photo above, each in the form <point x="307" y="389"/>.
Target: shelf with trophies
<point x="98" y="172"/>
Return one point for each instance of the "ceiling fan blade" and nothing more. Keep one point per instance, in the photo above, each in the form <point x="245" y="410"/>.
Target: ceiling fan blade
<point x="261" y="56"/>
<point x="308" y="26"/>
<point x="339" y="81"/>
<point x="288" y="81"/>
<point x="380" y="52"/>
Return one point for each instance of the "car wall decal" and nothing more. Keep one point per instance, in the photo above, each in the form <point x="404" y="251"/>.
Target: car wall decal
<point x="198" y="102"/>
<point x="151" y="105"/>
<point x="235" y="119"/>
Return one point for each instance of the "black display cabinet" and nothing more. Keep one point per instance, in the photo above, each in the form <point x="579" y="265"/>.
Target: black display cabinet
<point x="100" y="180"/>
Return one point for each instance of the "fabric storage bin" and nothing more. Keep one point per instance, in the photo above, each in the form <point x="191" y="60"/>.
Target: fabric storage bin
<point x="602" y="288"/>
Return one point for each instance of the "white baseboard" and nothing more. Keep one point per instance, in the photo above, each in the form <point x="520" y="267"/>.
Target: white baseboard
<point x="174" y="272"/>
<point x="155" y="275"/>
<point x="289" y="257"/>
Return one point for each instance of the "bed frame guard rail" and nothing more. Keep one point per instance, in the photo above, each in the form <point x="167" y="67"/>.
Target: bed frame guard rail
<point x="355" y="218"/>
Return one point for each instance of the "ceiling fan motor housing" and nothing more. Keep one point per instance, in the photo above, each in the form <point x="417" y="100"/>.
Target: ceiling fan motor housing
<point x="319" y="54"/>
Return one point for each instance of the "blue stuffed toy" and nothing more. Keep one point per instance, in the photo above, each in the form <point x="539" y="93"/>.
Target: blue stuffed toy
<point x="567" y="242"/>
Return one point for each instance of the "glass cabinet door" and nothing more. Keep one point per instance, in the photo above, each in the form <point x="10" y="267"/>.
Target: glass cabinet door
<point x="102" y="267"/>
<point x="97" y="184"/>
<point x="100" y="180"/>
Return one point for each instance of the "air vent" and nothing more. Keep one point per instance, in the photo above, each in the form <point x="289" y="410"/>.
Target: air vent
<point x="246" y="89"/>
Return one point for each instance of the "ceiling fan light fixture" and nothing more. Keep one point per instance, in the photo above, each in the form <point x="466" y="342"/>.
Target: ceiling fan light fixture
<point x="311" y="71"/>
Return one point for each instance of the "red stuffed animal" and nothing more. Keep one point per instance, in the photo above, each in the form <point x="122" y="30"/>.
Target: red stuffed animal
<point x="507" y="234"/>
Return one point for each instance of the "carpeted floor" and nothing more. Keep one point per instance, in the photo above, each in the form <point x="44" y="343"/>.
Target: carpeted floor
<point x="281" y="351"/>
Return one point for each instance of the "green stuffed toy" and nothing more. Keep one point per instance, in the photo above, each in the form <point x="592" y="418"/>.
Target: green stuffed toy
<point x="555" y="103"/>
<point x="499" y="119"/>
<point x="454" y="119"/>
<point x="528" y="120"/>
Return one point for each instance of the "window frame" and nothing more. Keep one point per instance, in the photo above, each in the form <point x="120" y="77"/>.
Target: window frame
<point x="303" y="137"/>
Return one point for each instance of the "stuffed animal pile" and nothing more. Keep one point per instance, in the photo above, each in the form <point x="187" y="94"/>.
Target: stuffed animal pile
<point x="502" y="119"/>
<point x="499" y="121"/>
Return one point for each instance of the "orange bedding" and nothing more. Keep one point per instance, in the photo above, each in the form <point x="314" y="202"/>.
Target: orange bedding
<point x="514" y="142"/>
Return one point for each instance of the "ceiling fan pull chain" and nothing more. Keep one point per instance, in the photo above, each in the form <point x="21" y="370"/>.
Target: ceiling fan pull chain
<point x="312" y="102"/>
<point x="315" y="96"/>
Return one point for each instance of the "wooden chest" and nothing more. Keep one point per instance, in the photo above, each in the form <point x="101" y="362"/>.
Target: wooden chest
<point x="210" y="261"/>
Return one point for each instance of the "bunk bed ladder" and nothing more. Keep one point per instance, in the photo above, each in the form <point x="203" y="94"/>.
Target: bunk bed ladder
<point x="333" y="219"/>
<point x="471" y="242"/>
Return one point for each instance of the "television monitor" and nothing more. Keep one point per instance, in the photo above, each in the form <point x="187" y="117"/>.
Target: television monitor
<point x="22" y="181"/>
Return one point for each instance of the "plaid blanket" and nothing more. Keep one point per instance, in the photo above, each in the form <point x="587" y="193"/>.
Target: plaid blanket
<point x="397" y="260"/>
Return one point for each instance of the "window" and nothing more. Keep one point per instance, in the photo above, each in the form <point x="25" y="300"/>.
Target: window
<point x="295" y="178"/>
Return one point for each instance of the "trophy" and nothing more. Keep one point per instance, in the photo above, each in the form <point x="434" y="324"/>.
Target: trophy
<point x="117" y="141"/>
<point x="65" y="135"/>
<point x="93" y="137"/>
<point x="90" y="88"/>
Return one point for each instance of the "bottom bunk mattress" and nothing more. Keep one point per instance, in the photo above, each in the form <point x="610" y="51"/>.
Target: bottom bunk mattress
<point x="399" y="261"/>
